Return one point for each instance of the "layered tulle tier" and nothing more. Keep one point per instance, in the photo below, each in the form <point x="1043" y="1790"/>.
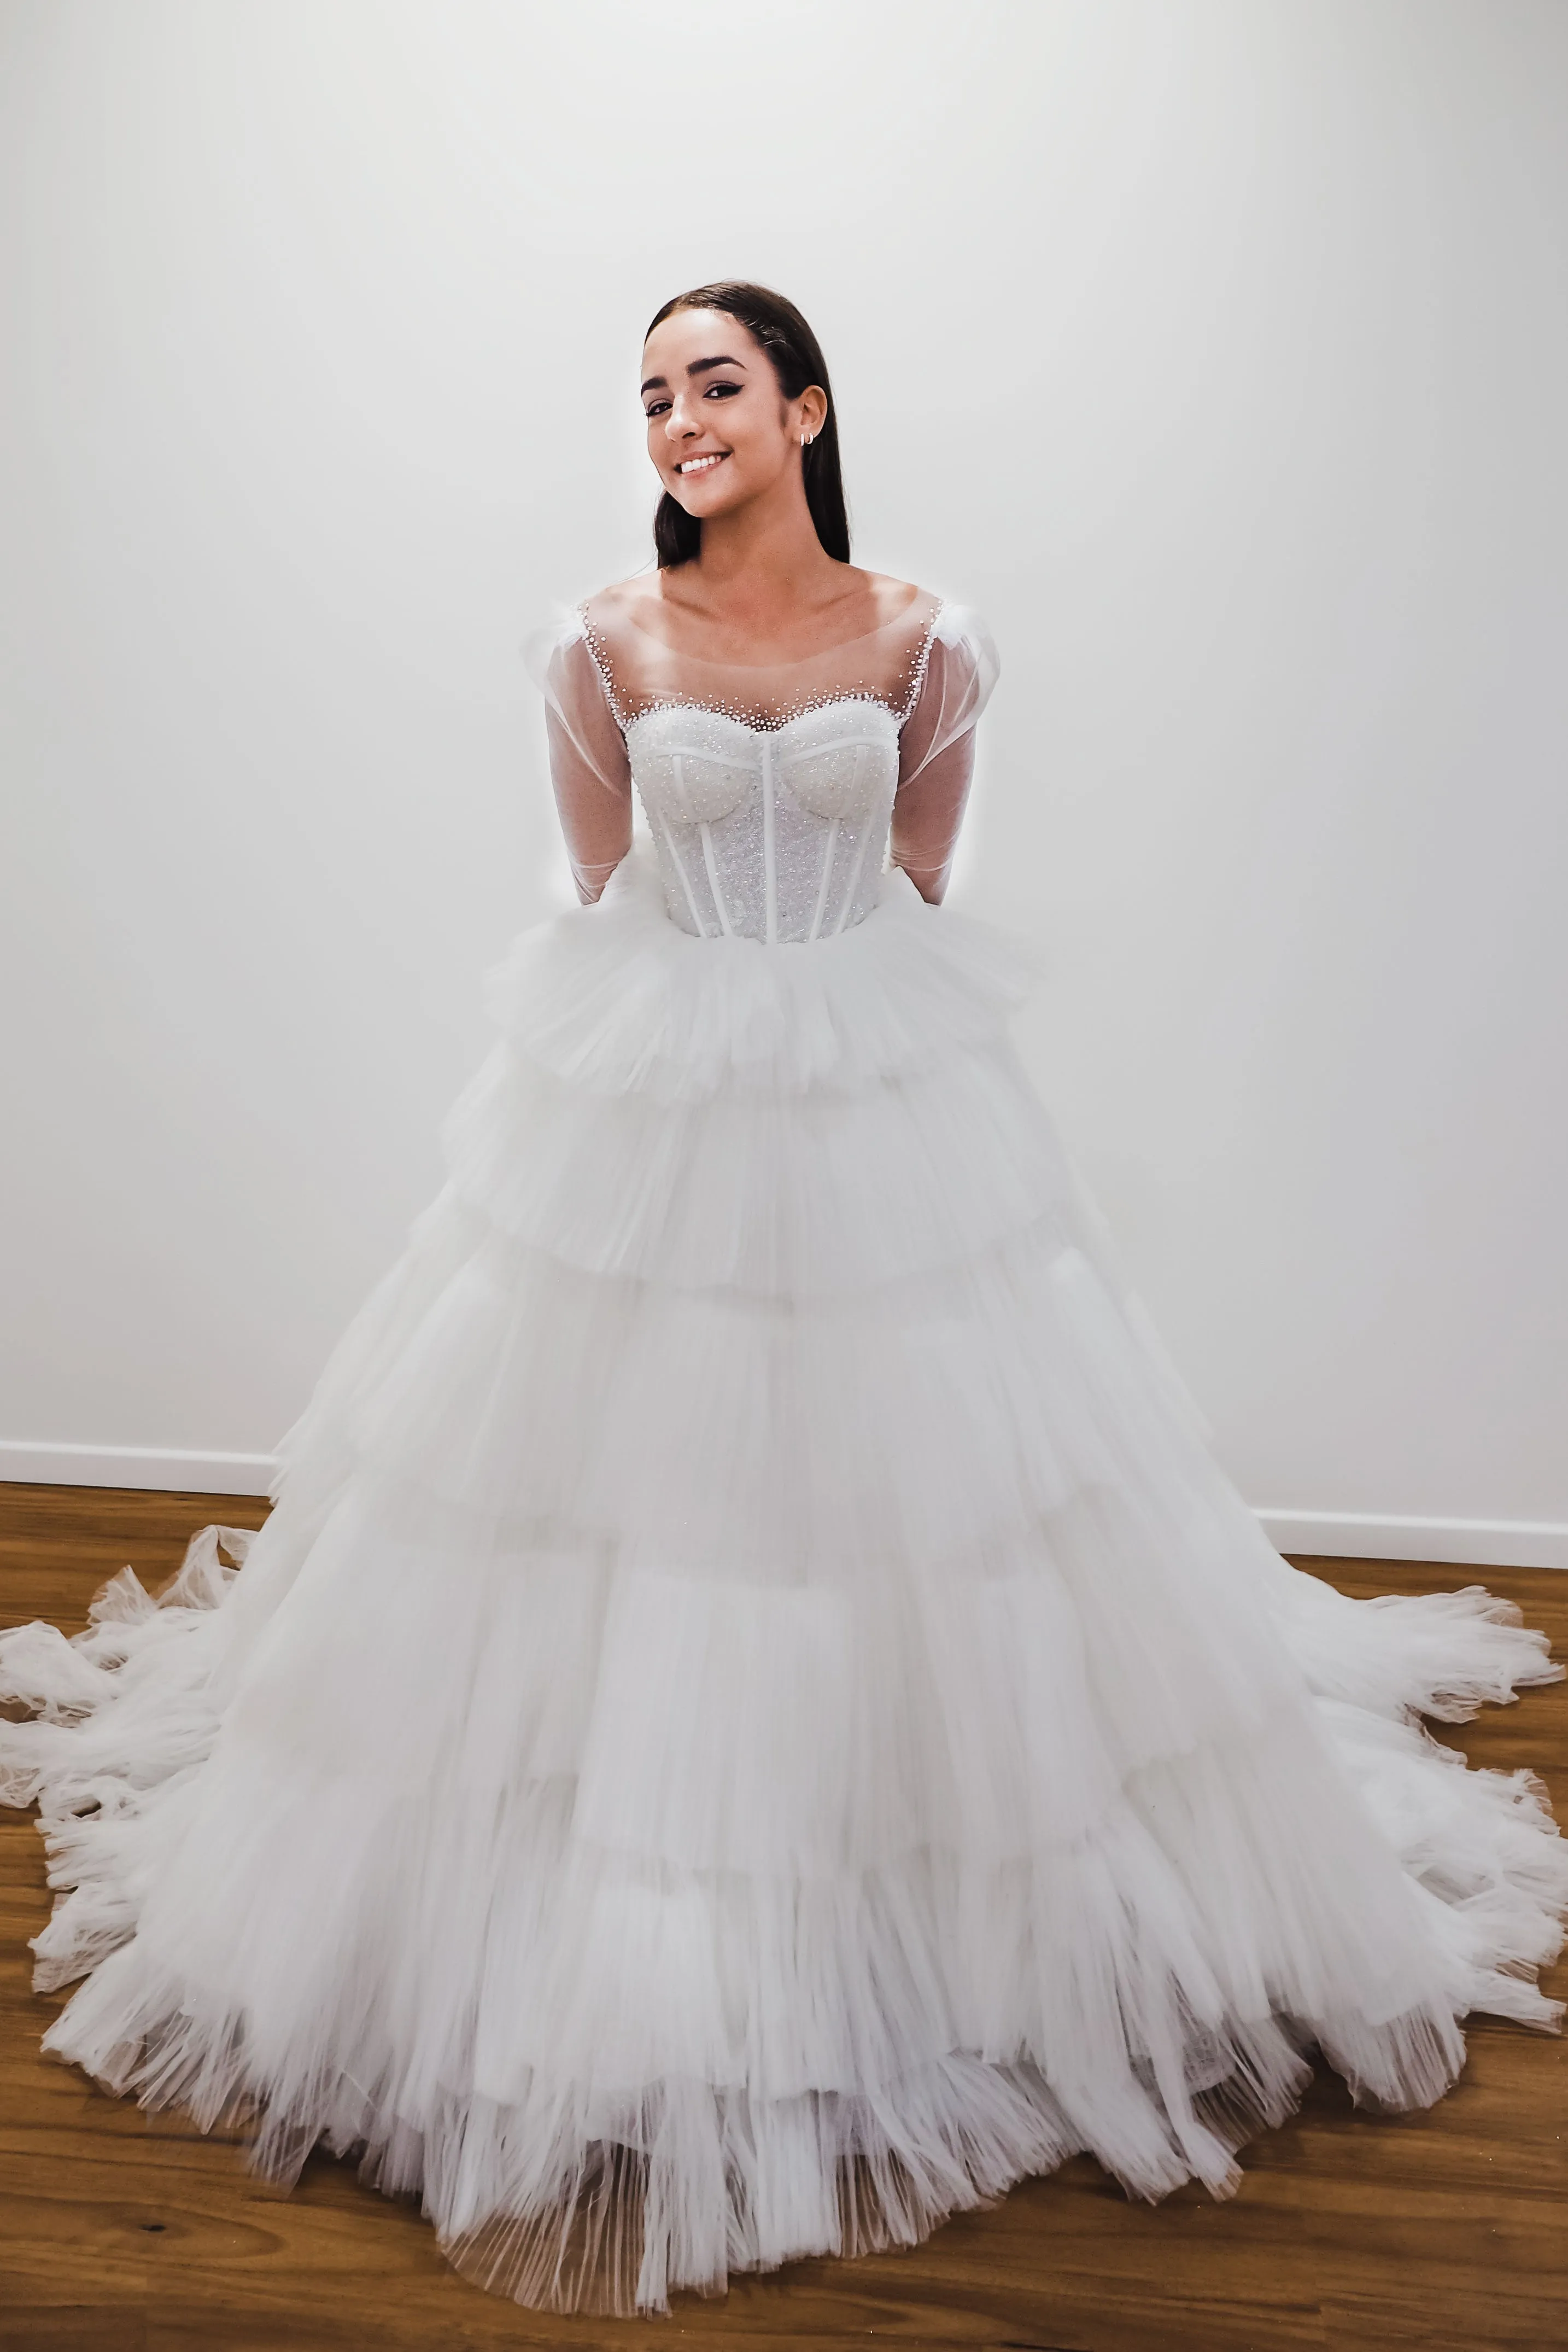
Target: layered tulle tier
<point x="756" y="1721"/>
<point x="615" y="1000"/>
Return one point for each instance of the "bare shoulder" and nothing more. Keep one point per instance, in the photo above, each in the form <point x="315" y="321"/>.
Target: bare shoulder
<point x="891" y="599"/>
<point x="626" y="597"/>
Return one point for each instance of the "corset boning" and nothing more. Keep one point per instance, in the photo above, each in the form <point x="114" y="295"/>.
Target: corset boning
<point x="776" y="834"/>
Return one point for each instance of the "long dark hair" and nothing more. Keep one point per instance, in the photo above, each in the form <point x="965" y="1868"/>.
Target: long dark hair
<point x="797" y="358"/>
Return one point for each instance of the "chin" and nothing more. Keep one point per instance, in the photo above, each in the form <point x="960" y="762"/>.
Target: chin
<point x="707" y="499"/>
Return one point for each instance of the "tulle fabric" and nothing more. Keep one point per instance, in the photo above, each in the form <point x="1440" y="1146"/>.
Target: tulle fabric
<point x="756" y="1720"/>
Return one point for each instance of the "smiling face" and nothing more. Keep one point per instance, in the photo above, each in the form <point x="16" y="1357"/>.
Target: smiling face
<point x="720" y="431"/>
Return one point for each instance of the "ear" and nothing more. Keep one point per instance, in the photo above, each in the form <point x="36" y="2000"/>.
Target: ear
<point x="811" y="409"/>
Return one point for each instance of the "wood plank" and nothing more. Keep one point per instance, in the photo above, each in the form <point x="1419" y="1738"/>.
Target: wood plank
<point x="123" y="2232"/>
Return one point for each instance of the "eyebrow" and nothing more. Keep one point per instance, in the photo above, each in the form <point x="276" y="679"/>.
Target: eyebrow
<point x="661" y="383"/>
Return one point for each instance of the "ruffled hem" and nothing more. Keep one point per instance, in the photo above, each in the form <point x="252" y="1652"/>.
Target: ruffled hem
<point x="612" y="2077"/>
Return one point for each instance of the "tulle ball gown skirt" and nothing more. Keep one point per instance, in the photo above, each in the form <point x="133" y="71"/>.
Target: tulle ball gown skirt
<point x="756" y="1721"/>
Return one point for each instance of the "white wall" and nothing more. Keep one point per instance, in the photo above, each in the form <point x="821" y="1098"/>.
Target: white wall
<point x="1217" y="349"/>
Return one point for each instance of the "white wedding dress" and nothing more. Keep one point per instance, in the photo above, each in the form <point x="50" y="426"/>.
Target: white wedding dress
<point x="756" y="1720"/>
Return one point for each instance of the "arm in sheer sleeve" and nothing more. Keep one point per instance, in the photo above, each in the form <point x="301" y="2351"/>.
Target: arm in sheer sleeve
<point x="937" y="750"/>
<point x="589" y="771"/>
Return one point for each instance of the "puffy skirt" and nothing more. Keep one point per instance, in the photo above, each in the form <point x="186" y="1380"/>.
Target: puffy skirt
<point x="757" y="1720"/>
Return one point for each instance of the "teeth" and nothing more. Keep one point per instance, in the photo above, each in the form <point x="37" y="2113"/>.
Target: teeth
<point x="699" y="465"/>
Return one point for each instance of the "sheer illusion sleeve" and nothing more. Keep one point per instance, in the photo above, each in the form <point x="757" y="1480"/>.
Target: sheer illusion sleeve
<point x="589" y="771"/>
<point x="936" y="749"/>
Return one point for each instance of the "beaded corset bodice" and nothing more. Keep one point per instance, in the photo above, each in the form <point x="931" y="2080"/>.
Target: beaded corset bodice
<point x="768" y="833"/>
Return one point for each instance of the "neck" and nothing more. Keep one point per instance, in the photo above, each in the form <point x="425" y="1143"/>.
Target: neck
<point x="765" y="558"/>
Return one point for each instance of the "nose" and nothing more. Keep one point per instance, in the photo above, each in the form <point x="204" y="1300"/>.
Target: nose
<point x="681" y="424"/>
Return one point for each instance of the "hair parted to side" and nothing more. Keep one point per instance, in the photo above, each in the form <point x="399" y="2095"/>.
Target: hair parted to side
<point x="797" y="358"/>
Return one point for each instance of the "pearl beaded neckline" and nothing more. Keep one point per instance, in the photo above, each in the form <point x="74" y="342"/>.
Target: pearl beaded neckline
<point x="755" y="720"/>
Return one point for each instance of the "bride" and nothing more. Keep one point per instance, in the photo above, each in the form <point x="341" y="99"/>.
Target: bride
<point x="756" y="1721"/>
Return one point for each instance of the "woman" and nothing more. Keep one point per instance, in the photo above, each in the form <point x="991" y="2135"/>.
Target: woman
<point x="755" y="1721"/>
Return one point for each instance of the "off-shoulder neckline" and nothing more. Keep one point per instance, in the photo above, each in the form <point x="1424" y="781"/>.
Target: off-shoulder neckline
<point x="926" y="639"/>
<point x="938" y="605"/>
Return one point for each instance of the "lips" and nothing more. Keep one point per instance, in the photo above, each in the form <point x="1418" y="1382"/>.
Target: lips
<point x="702" y="464"/>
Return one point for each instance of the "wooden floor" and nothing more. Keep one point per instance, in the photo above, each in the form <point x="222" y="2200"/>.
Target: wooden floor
<point x="1448" y="2230"/>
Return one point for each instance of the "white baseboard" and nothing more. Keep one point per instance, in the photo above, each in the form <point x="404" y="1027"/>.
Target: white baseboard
<point x="1382" y="1535"/>
<point x="1332" y="1535"/>
<point x="135" y="1465"/>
